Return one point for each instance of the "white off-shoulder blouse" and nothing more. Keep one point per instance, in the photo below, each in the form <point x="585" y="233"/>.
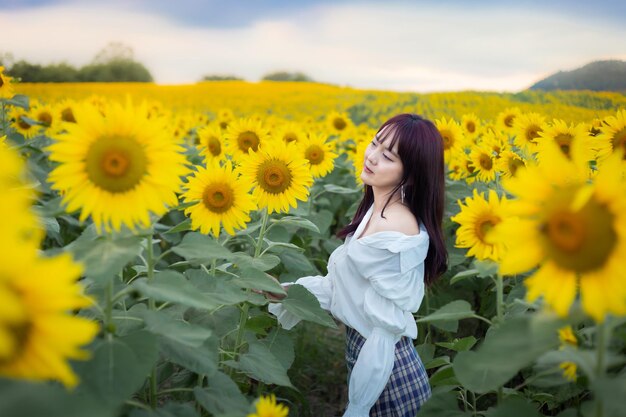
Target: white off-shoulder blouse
<point x="374" y="284"/>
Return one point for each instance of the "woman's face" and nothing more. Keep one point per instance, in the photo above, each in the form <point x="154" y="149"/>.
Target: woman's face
<point x="382" y="167"/>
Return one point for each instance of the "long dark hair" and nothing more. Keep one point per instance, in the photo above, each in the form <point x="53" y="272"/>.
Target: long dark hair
<point x="420" y="148"/>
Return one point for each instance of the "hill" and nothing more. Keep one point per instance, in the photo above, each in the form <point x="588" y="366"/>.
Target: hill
<point x="595" y="76"/>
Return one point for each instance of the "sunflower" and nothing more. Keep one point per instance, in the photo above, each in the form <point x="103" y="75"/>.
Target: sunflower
<point x="224" y="117"/>
<point x="573" y="141"/>
<point x="509" y="163"/>
<point x="452" y="136"/>
<point x="117" y="169"/>
<point x="358" y="156"/>
<point x="527" y="128"/>
<point x="506" y="119"/>
<point x="569" y="370"/>
<point x="290" y="132"/>
<point x="210" y="144"/>
<point x="279" y="175"/>
<point x="612" y="136"/>
<point x="23" y="123"/>
<point x="320" y="153"/>
<point x="222" y="199"/>
<point x="266" y="406"/>
<point x="470" y="124"/>
<point x="38" y="334"/>
<point x="477" y="218"/>
<point x="338" y="122"/>
<point x="567" y="336"/>
<point x="575" y="232"/>
<point x="483" y="162"/>
<point x="244" y="135"/>
<point x="47" y="117"/>
<point x="495" y="141"/>
<point x="6" y="90"/>
<point x="65" y="109"/>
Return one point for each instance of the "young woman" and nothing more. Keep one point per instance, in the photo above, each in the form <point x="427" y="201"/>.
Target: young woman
<point x="393" y="248"/>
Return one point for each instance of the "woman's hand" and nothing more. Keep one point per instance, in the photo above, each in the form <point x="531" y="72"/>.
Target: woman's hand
<point x="272" y="295"/>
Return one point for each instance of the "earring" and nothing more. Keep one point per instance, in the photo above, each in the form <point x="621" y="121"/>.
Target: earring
<point x="402" y="194"/>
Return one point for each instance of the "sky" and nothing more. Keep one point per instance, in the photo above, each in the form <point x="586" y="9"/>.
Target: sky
<point x="422" y="46"/>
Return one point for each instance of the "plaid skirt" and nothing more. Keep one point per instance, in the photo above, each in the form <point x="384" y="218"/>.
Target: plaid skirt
<point x="408" y="386"/>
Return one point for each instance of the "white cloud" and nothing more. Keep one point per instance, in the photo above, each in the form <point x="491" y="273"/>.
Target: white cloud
<point x="399" y="47"/>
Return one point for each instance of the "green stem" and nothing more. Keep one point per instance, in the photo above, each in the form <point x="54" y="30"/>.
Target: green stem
<point x="151" y="306"/>
<point x="499" y="298"/>
<point x="4" y="127"/>
<point x="108" y="308"/>
<point x="243" y="318"/>
<point x="601" y="348"/>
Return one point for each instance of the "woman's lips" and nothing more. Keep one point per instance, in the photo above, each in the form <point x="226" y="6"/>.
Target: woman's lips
<point x="366" y="169"/>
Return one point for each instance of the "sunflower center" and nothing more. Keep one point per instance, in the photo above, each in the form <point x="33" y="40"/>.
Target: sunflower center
<point x="290" y="137"/>
<point x="582" y="240"/>
<point x="471" y="127"/>
<point x="116" y="163"/>
<point x="247" y="140"/>
<point x="67" y="115"/>
<point x="314" y="154"/>
<point x="484" y="225"/>
<point x="214" y="145"/>
<point x="274" y="176"/>
<point x="22" y="123"/>
<point x="14" y="325"/>
<point x="339" y="123"/>
<point x="45" y="118"/>
<point x="514" y="164"/>
<point x="619" y="139"/>
<point x="448" y="139"/>
<point x="1" y="82"/>
<point x="485" y="162"/>
<point x="218" y="198"/>
<point x="532" y="132"/>
<point x="564" y="140"/>
<point x="508" y="120"/>
<point x="223" y="124"/>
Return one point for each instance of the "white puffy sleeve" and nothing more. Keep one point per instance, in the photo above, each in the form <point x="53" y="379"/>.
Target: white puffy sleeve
<point x="397" y="289"/>
<point x="320" y="286"/>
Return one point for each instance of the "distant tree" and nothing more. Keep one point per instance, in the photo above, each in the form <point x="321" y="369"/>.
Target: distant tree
<point x="287" y="76"/>
<point x="596" y="76"/>
<point x="215" y="77"/>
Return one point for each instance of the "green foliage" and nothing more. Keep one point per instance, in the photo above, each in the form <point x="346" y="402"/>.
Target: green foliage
<point x="596" y="76"/>
<point x="286" y="76"/>
<point x="217" y="77"/>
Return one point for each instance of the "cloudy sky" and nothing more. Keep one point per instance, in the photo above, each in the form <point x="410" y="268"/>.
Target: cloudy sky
<point x="394" y="45"/>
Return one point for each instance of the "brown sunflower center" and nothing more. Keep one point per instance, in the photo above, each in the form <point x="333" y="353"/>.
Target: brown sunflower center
<point x="314" y="154"/>
<point x="247" y="140"/>
<point x="45" y="118"/>
<point x="471" y="127"/>
<point x="290" y="137"/>
<point x="484" y="225"/>
<point x="564" y="141"/>
<point x="67" y="115"/>
<point x="14" y="325"/>
<point x="532" y="132"/>
<point x="619" y="140"/>
<point x="485" y="162"/>
<point x="116" y="163"/>
<point x="469" y="166"/>
<point x="579" y="241"/>
<point x="274" y="176"/>
<point x="1" y="81"/>
<point x="508" y="120"/>
<point x="514" y="164"/>
<point x="223" y="124"/>
<point x="339" y="123"/>
<point x="214" y="145"/>
<point x="22" y="123"/>
<point x="448" y="139"/>
<point x="218" y="198"/>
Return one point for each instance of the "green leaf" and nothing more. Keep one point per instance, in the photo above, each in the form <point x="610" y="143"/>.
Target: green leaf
<point x="201" y="360"/>
<point x="442" y="404"/>
<point x="336" y="189"/>
<point x="444" y="376"/>
<point x="264" y="263"/>
<point x="258" y="280"/>
<point x="303" y="304"/>
<point x="163" y="324"/>
<point x="105" y="256"/>
<point x="169" y="410"/>
<point x="118" y="367"/>
<point x="180" y="227"/>
<point x="463" y="275"/>
<point x="459" y="345"/>
<point x="259" y="363"/>
<point x="297" y="222"/>
<point x="222" y="396"/>
<point x="507" y="349"/>
<point x="173" y="287"/>
<point x="281" y="346"/>
<point x="280" y="246"/>
<point x="19" y="100"/>
<point x="449" y="315"/>
<point x="200" y="249"/>
<point x="437" y="362"/>
<point x="296" y="262"/>
<point x="513" y="407"/>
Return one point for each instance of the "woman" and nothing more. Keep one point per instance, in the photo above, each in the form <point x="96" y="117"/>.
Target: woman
<point x="393" y="248"/>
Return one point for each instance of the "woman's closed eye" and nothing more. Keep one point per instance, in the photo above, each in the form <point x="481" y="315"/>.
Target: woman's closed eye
<point x="374" y="144"/>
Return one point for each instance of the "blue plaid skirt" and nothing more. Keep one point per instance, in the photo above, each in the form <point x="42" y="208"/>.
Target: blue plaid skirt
<point x="408" y="386"/>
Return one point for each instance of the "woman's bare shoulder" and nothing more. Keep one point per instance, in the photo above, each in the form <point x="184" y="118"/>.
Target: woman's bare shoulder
<point x="398" y="218"/>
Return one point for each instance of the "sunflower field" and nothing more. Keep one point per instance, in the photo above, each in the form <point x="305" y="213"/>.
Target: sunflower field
<point x="141" y="224"/>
